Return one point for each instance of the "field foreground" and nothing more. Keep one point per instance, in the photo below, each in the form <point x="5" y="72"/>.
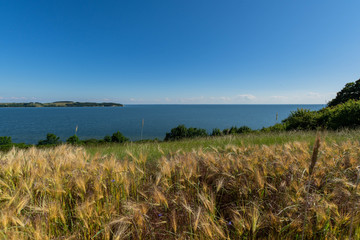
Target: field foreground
<point x="231" y="192"/>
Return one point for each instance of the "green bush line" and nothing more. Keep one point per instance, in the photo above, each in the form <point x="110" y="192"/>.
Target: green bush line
<point x="341" y="116"/>
<point x="343" y="112"/>
<point x="345" y="115"/>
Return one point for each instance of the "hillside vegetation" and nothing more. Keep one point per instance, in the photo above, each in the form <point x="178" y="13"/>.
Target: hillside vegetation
<point x="224" y="191"/>
<point x="350" y="91"/>
<point x="345" y="115"/>
<point x="62" y="104"/>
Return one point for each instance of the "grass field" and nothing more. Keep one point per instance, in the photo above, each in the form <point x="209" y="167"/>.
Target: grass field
<point x="155" y="150"/>
<point x="256" y="186"/>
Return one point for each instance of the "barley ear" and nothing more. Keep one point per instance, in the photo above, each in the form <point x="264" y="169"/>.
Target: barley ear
<point x="311" y="170"/>
<point x="314" y="156"/>
<point x="354" y="208"/>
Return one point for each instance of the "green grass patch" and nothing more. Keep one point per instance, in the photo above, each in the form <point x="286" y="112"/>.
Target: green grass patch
<point x="154" y="150"/>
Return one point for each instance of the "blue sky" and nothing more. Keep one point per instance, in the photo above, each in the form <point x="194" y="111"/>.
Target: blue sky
<point x="172" y="51"/>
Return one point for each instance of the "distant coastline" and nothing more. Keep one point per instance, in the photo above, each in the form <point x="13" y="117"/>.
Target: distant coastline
<point x="62" y="104"/>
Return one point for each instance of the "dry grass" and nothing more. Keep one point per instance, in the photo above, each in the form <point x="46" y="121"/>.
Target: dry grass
<point x="234" y="192"/>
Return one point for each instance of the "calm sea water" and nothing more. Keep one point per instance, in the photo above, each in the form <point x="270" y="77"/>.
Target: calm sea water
<point x="29" y="125"/>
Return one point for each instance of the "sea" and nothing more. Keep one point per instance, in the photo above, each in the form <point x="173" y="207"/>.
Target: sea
<point x="29" y="125"/>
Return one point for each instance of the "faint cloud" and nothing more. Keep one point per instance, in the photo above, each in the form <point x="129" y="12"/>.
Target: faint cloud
<point x="17" y="98"/>
<point x="303" y="98"/>
<point x="246" y="97"/>
<point x="136" y="100"/>
<point x="280" y="98"/>
<point x="238" y="99"/>
<point x="314" y="95"/>
<point x="225" y="99"/>
<point x="196" y="100"/>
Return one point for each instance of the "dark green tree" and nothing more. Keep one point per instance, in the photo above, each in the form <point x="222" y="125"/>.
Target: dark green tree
<point x="118" y="137"/>
<point x="176" y="133"/>
<point x="226" y="131"/>
<point x="196" y="132"/>
<point x="181" y="132"/>
<point x="301" y="119"/>
<point x="51" y="139"/>
<point x="5" y="140"/>
<point x="91" y="141"/>
<point x="216" y="132"/>
<point x="236" y="130"/>
<point x="244" y="129"/>
<point x="350" y="91"/>
<point x="233" y="130"/>
<point x="346" y="115"/>
<point x="73" y="140"/>
<point x="107" y="139"/>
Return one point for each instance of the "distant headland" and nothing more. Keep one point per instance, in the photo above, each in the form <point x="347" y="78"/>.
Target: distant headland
<point x="62" y="104"/>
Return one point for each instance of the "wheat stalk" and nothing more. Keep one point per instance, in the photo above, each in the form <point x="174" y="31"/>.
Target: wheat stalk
<point x="354" y="210"/>
<point x="314" y="158"/>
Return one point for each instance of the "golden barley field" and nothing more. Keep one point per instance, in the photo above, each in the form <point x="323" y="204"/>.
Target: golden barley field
<point x="230" y="192"/>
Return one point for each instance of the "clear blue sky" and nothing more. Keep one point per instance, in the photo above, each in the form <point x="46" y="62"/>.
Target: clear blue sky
<point x="172" y="51"/>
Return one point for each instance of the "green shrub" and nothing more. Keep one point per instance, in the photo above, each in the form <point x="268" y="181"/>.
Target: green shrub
<point x="176" y="133"/>
<point x="181" y="132"/>
<point x="5" y="148"/>
<point x="350" y="91"/>
<point x="216" y="132"/>
<point x="118" y="137"/>
<point x="51" y="139"/>
<point x="226" y="131"/>
<point x="301" y="119"/>
<point x="6" y="144"/>
<point x="91" y="141"/>
<point x="345" y="115"/>
<point x="5" y="140"/>
<point x="196" y="132"/>
<point x="244" y="129"/>
<point x="279" y="127"/>
<point x="107" y="139"/>
<point x="73" y="140"/>
<point x="233" y="130"/>
<point x="236" y="130"/>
